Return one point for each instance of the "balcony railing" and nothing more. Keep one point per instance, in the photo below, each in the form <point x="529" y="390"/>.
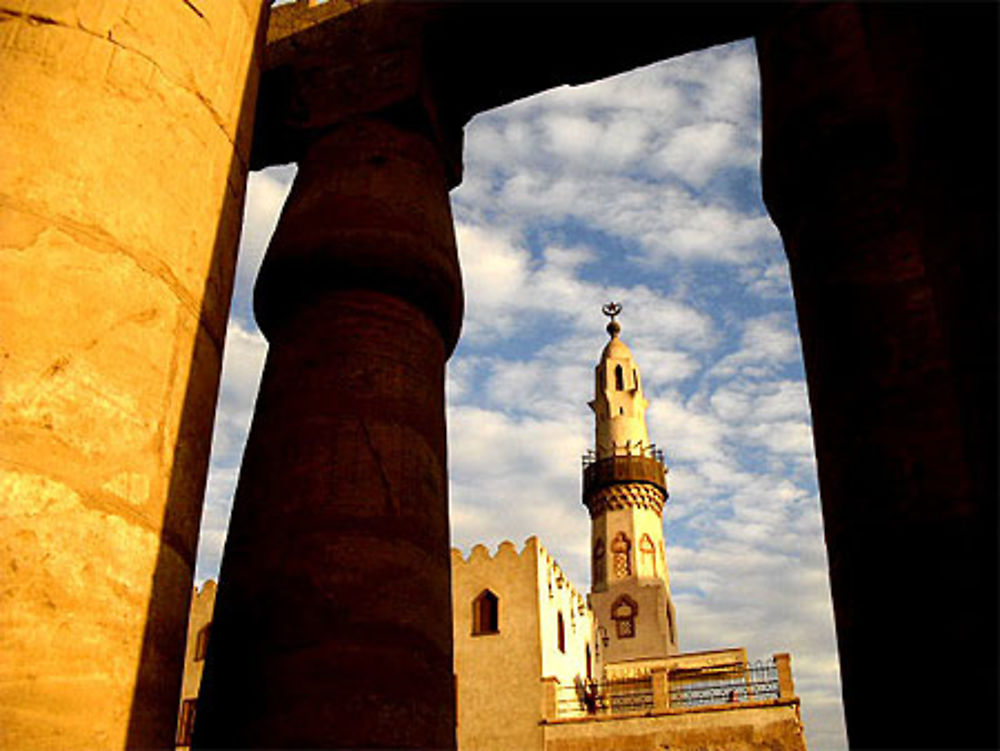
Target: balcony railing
<point x="754" y="682"/>
<point x="627" y="696"/>
<point x="635" y="464"/>
<point x="650" y="451"/>
<point x="679" y="689"/>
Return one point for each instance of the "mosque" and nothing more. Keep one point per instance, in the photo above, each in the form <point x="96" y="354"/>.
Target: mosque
<point x="540" y="665"/>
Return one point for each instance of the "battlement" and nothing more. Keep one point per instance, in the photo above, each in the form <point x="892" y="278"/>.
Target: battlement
<point x="551" y="577"/>
<point x="480" y="554"/>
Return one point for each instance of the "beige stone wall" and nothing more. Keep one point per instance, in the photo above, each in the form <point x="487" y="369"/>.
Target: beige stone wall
<point x="714" y="659"/>
<point x="656" y="631"/>
<point x="775" y="726"/>
<point x="499" y="692"/>
<point x="124" y="137"/>
<point x="558" y="595"/>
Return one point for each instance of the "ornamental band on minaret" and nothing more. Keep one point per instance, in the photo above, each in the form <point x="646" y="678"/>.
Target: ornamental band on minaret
<point x="624" y="488"/>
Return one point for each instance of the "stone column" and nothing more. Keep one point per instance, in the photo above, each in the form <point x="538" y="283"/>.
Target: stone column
<point x="333" y="620"/>
<point x="879" y="168"/>
<point x="124" y="139"/>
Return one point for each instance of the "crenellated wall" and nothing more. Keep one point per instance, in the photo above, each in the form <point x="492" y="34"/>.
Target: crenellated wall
<point x="557" y="595"/>
<point x="499" y="691"/>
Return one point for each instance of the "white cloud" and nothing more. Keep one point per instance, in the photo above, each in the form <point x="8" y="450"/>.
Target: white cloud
<point x="767" y="343"/>
<point x="242" y="363"/>
<point x="771" y="281"/>
<point x="266" y="194"/>
<point x="618" y="154"/>
<point x="698" y="151"/>
<point x="507" y="288"/>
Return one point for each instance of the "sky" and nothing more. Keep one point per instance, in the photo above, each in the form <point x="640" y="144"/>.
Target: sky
<point x="643" y="188"/>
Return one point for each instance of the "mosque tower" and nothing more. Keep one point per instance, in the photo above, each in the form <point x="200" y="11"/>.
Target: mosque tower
<point x="624" y="489"/>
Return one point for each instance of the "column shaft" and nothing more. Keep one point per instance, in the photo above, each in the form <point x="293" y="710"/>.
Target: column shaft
<point x="333" y="619"/>
<point x="880" y="171"/>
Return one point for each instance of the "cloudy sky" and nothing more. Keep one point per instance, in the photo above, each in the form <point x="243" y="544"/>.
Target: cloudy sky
<point x="643" y="188"/>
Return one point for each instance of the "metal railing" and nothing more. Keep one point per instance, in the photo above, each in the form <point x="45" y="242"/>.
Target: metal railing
<point x="684" y="688"/>
<point x="650" y="451"/>
<point x="754" y="682"/>
<point x="625" y="696"/>
<point x="639" y="465"/>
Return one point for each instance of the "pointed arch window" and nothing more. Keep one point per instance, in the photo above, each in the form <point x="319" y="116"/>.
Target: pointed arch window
<point x="560" y="632"/>
<point x="623" y="613"/>
<point x="647" y="553"/>
<point x="486" y="614"/>
<point x="620" y="550"/>
<point x="201" y="642"/>
<point x="619" y="378"/>
<point x="599" y="562"/>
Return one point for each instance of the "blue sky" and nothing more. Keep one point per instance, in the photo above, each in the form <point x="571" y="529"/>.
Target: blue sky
<point x="643" y="188"/>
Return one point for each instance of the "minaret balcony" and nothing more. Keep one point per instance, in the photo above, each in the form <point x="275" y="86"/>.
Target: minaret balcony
<point x="645" y="467"/>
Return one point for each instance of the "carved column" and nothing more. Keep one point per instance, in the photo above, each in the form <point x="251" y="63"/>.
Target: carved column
<point x="879" y="166"/>
<point x="333" y="620"/>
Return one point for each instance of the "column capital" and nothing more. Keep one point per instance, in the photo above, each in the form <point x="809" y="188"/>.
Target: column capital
<point x="368" y="210"/>
<point x="331" y="63"/>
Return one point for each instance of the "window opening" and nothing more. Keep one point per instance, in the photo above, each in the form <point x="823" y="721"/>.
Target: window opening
<point x="623" y="613"/>
<point x="619" y="378"/>
<point x="590" y="672"/>
<point x="201" y="643"/>
<point x="561" y="632"/>
<point x="486" y="614"/>
<point x="620" y="550"/>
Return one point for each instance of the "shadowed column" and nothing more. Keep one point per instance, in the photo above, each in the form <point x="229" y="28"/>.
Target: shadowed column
<point x="880" y="170"/>
<point x="333" y="620"/>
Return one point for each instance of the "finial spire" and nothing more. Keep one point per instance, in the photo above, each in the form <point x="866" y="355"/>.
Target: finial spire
<point x="611" y="310"/>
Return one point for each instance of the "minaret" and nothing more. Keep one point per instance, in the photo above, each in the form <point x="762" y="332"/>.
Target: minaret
<point x="624" y="488"/>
